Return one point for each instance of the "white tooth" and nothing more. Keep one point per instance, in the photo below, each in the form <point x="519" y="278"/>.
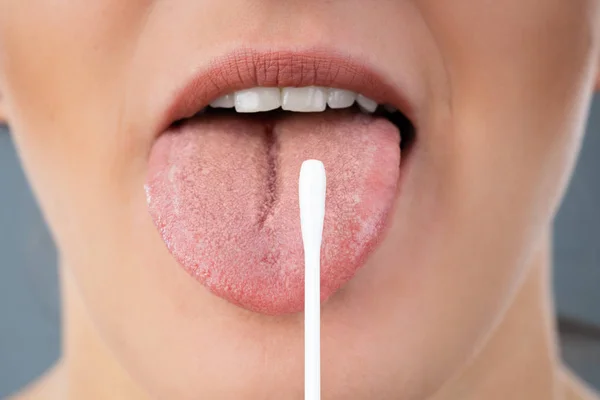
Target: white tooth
<point x="391" y="109"/>
<point x="340" y="98"/>
<point x="366" y="103"/>
<point x="257" y="99"/>
<point x="227" y="101"/>
<point x="304" y="99"/>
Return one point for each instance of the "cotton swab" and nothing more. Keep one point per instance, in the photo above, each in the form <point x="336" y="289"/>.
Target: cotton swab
<point x="312" y="185"/>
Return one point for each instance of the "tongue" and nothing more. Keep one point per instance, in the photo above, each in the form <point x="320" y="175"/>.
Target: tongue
<point x="223" y="192"/>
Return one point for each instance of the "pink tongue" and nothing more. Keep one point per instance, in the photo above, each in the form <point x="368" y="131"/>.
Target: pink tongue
<point x="223" y="192"/>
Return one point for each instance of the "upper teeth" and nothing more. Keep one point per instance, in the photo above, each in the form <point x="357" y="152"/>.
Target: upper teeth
<point x="304" y="99"/>
<point x="257" y="99"/>
<point x="298" y="99"/>
<point x="226" y="101"/>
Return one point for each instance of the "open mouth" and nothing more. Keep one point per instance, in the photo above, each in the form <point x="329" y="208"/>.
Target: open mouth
<point x="308" y="99"/>
<point x="222" y="184"/>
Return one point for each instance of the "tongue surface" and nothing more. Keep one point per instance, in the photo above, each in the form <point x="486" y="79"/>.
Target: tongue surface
<point x="223" y="191"/>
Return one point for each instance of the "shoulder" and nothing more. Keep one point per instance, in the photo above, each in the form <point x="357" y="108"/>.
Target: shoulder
<point x="576" y="389"/>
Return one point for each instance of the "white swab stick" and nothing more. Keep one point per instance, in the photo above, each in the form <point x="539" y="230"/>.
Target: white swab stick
<point x="312" y="187"/>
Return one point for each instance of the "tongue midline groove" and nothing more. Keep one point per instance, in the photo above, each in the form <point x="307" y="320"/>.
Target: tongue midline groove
<point x="270" y="196"/>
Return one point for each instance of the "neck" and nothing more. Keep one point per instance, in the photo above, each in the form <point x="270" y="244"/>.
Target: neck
<point x="519" y="361"/>
<point x="90" y="368"/>
<point x="521" y="358"/>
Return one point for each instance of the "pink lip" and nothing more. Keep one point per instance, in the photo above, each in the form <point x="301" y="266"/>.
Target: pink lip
<point x="247" y="68"/>
<point x="242" y="240"/>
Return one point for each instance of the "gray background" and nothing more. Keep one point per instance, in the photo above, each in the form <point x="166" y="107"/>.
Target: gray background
<point x="29" y="313"/>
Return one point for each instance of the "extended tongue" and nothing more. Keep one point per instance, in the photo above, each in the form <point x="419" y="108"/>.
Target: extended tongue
<point x="223" y="192"/>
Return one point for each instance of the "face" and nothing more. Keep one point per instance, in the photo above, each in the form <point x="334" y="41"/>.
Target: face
<point x="497" y="95"/>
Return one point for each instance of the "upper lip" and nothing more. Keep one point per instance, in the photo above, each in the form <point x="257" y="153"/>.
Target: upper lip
<point x="246" y="68"/>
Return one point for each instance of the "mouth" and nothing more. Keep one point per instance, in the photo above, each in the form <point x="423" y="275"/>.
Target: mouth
<point x="222" y="184"/>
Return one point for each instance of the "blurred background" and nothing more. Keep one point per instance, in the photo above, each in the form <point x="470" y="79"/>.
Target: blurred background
<point x="29" y="310"/>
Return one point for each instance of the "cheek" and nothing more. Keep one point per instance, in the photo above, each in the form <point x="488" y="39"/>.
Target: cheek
<point x="519" y="94"/>
<point x="65" y="76"/>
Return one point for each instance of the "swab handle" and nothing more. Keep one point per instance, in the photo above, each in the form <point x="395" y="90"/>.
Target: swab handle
<point x="312" y="186"/>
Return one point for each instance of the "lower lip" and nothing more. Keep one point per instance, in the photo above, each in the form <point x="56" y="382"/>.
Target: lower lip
<point x="223" y="192"/>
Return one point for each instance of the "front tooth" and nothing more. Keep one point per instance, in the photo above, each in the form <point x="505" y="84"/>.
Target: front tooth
<point x="340" y="98"/>
<point x="257" y="99"/>
<point x="366" y="103"/>
<point x="227" y="101"/>
<point x="304" y="99"/>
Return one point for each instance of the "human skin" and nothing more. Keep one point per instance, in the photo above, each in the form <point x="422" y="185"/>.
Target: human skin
<point x="453" y="304"/>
